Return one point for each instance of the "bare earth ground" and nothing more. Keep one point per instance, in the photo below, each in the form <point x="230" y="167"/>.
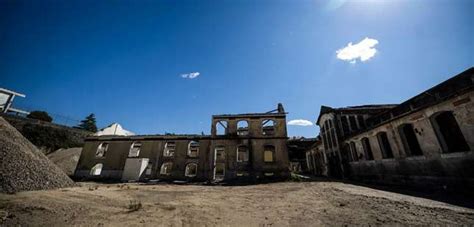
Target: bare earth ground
<point x="277" y="204"/>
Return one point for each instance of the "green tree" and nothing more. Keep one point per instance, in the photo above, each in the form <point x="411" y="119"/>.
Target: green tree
<point x="88" y="124"/>
<point x="40" y="115"/>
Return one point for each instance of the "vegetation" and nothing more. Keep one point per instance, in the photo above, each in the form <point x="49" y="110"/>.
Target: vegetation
<point x="88" y="124"/>
<point x="40" y="115"/>
<point x="134" y="205"/>
<point x="50" y="138"/>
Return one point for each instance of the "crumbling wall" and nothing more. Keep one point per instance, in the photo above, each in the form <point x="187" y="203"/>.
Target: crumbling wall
<point x="434" y="167"/>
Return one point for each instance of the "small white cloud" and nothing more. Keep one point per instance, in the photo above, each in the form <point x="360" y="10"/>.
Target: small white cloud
<point x="190" y="75"/>
<point x="300" y="122"/>
<point x="364" y="50"/>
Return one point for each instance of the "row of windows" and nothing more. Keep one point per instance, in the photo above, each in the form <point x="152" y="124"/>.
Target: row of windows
<point x="352" y="123"/>
<point x="243" y="153"/>
<point x="168" y="151"/>
<point x="193" y="151"/>
<point x="328" y="134"/>
<point x="268" y="127"/>
<point x="447" y="130"/>
<point x="166" y="168"/>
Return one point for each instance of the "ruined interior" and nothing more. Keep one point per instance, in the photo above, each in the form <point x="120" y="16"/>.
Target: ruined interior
<point x="426" y="140"/>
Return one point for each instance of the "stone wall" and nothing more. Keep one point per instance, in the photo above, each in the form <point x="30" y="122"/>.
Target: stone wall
<point x="435" y="167"/>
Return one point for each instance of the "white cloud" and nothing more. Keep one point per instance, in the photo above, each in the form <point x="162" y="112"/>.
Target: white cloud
<point x="364" y="50"/>
<point x="300" y="122"/>
<point x="190" y="75"/>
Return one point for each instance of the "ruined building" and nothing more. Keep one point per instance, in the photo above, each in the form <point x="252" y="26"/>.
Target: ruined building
<point x="426" y="140"/>
<point x="241" y="147"/>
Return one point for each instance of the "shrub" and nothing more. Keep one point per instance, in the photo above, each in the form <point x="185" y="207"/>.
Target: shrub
<point x="40" y="115"/>
<point x="134" y="205"/>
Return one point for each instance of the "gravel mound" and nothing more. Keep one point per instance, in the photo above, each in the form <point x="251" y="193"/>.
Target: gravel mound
<point x="23" y="167"/>
<point x="66" y="159"/>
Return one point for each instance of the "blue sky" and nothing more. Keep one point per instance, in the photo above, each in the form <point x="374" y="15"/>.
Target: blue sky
<point x="125" y="60"/>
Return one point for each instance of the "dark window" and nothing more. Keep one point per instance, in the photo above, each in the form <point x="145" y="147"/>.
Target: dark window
<point x="242" y="154"/>
<point x="325" y="141"/>
<point x="333" y="136"/>
<point x="367" y="149"/>
<point x="410" y="142"/>
<point x="347" y="155"/>
<point x="326" y="124"/>
<point x="345" y="125"/>
<point x="328" y="136"/>
<point x="361" y="121"/>
<point x="354" y="151"/>
<point x="352" y="120"/>
<point x="384" y="145"/>
<point x="448" y="132"/>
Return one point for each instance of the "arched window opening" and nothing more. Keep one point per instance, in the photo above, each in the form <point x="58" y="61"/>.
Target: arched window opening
<point x="353" y="123"/>
<point x="221" y="128"/>
<point x="191" y="170"/>
<point x="361" y="121"/>
<point x="448" y="132"/>
<point x="345" y="125"/>
<point x="97" y="169"/>
<point x="367" y="149"/>
<point x="269" y="153"/>
<point x="347" y="155"/>
<point x="193" y="149"/>
<point x="135" y="149"/>
<point x="170" y="147"/>
<point x="409" y="140"/>
<point x="384" y="145"/>
<point x="166" y="168"/>
<point x="355" y="155"/>
<point x="242" y="128"/>
<point x="268" y="127"/>
<point x="102" y="150"/>
<point x="242" y="154"/>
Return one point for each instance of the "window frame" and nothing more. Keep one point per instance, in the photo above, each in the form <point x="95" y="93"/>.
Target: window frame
<point x="268" y="132"/>
<point x="186" y="169"/>
<point x="247" y="153"/>
<point x="273" y="151"/>
<point x="189" y="149"/>
<point x="170" y="169"/>
<point x="103" y="150"/>
<point x="133" y="146"/>
<point x="167" y="152"/>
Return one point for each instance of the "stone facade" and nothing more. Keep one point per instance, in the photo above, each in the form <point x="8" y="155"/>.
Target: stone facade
<point x="240" y="147"/>
<point x="426" y="140"/>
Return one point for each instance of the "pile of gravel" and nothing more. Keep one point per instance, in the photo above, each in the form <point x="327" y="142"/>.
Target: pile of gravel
<point x="23" y="167"/>
<point x="66" y="159"/>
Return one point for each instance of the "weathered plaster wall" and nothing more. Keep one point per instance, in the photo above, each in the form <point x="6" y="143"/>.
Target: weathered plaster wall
<point x="434" y="166"/>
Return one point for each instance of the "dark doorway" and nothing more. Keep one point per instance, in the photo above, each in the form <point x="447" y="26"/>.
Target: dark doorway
<point x="384" y="145"/>
<point x="448" y="132"/>
<point x="410" y="142"/>
<point x="367" y="149"/>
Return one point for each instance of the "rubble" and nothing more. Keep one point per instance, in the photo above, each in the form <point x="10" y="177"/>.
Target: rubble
<point x="23" y="167"/>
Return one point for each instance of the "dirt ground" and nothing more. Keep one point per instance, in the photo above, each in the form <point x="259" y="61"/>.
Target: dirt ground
<point x="277" y="204"/>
